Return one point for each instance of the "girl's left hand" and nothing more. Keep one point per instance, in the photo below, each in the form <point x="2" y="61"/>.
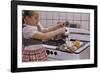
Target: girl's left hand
<point x="60" y="24"/>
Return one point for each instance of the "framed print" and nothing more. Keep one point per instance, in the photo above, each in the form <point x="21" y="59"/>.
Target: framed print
<point x="52" y="36"/>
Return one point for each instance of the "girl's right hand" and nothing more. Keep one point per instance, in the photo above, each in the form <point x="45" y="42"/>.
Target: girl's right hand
<point x="62" y="30"/>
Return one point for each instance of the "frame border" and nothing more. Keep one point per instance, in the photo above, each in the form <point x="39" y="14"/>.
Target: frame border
<point x="14" y="5"/>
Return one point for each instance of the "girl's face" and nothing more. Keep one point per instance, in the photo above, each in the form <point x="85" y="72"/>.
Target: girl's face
<point x="32" y="20"/>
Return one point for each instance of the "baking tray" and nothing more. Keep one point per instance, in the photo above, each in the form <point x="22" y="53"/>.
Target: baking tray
<point x="84" y="45"/>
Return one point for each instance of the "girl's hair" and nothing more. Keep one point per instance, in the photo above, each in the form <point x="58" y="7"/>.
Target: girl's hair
<point x="27" y="13"/>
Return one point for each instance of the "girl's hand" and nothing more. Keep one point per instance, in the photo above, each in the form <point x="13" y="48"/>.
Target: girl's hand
<point x="62" y="30"/>
<point x="60" y="24"/>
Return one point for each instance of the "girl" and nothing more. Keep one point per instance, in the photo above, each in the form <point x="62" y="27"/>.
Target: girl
<point x="33" y="30"/>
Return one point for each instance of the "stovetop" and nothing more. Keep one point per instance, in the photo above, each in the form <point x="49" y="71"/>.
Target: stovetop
<point x="54" y="45"/>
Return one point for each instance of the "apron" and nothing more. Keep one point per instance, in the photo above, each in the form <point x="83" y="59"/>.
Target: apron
<point x="32" y="51"/>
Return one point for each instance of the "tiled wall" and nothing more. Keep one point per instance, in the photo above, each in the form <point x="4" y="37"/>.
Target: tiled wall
<point x="51" y="18"/>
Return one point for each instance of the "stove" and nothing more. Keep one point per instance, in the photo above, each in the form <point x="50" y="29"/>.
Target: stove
<point x="75" y="34"/>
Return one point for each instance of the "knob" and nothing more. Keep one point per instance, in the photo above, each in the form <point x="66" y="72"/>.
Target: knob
<point x="48" y="52"/>
<point x="51" y="52"/>
<point x="55" y="53"/>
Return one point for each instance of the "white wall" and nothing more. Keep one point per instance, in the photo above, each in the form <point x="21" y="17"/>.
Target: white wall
<point x="48" y="18"/>
<point x="5" y="36"/>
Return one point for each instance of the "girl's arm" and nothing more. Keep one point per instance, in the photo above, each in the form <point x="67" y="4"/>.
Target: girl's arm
<point x="52" y="28"/>
<point x="48" y="35"/>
